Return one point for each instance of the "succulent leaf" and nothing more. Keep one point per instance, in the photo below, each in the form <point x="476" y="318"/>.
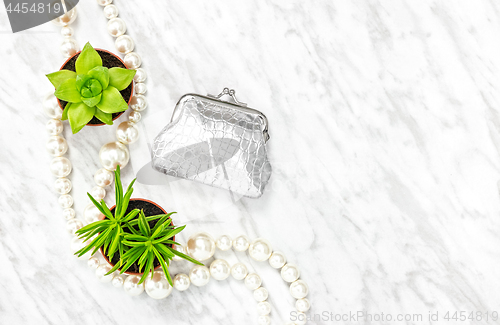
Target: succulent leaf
<point x="92" y="101"/>
<point x="65" y="112"/>
<point x="101" y="74"/>
<point x="120" y="78"/>
<point x="106" y="118"/>
<point x="89" y="87"/>
<point x="112" y="101"/>
<point x="81" y="80"/>
<point x="87" y="60"/>
<point x="67" y="91"/>
<point x="118" y="193"/>
<point x="79" y="115"/>
<point x="58" y="77"/>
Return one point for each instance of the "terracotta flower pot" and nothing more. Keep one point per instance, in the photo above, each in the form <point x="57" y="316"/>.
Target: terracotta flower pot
<point x="150" y="209"/>
<point x="109" y="61"/>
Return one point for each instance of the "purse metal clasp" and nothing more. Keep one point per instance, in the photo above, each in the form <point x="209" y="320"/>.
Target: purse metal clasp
<point x="231" y="92"/>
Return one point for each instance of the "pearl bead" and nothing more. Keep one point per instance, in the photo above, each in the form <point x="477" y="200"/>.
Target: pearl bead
<point x="73" y="225"/>
<point x="260" y="250"/>
<point x="113" y="154"/>
<point x="264" y="308"/>
<point x="181" y="282"/>
<point x="140" y="88"/>
<point x="277" y="260"/>
<point x="132" y="286"/>
<point x="138" y="103"/>
<point x="60" y="167"/>
<point x="134" y="117"/>
<point x="66" y="19"/>
<point x="56" y="146"/>
<point x="69" y="213"/>
<point x="93" y="263"/>
<point x="127" y="132"/>
<point x="220" y="270"/>
<point x="241" y="243"/>
<point x="51" y="106"/>
<point x="76" y="245"/>
<point x="103" y="177"/>
<point x="117" y="281"/>
<point x="302" y="305"/>
<point x="158" y="286"/>
<point x="264" y="320"/>
<point x="132" y="60"/>
<point x="140" y="75"/>
<point x="260" y="294"/>
<point x="66" y="201"/>
<point x="111" y="11"/>
<point x="104" y="2"/>
<point x="201" y="246"/>
<point x="62" y="185"/>
<point x="239" y="271"/>
<point x="101" y="271"/>
<point x="224" y="243"/>
<point x="116" y="27"/>
<point x="300" y="319"/>
<point x="92" y="213"/>
<point x="54" y="127"/>
<point x="69" y="47"/>
<point x="199" y="275"/>
<point x="124" y="44"/>
<point x="181" y="249"/>
<point x="67" y="31"/>
<point x="253" y="281"/>
<point x="299" y="289"/>
<point x="98" y="193"/>
<point x="290" y="273"/>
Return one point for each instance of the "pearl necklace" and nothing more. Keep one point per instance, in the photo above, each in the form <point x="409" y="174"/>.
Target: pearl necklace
<point x="200" y="246"/>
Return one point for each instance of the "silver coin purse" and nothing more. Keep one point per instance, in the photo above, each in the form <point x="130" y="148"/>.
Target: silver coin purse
<point x="221" y="143"/>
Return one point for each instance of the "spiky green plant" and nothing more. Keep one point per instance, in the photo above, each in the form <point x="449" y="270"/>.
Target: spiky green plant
<point x="118" y="233"/>
<point x="148" y="245"/>
<point x="93" y="90"/>
<point x="109" y="232"/>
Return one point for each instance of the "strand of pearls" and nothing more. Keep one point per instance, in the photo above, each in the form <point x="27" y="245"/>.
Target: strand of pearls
<point x="69" y="46"/>
<point x="200" y="246"/>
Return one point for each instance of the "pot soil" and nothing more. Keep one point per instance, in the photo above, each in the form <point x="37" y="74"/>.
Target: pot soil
<point x="109" y="60"/>
<point x="150" y="209"/>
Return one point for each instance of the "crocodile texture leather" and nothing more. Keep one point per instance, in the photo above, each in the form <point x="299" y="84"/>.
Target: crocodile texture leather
<point x="215" y="143"/>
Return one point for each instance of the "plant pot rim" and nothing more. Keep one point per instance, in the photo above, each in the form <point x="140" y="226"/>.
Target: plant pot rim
<point x="116" y="56"/>
<point x="106" y="258"/>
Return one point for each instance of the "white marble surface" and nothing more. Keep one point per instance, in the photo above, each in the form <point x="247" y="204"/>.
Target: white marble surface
<point x="385" y="126"/>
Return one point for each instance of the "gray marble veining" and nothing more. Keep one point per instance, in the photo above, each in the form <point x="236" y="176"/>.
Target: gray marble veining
<point x="385" y="139"/>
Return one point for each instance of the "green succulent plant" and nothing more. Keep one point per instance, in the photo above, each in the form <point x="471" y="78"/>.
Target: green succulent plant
<point x="93" y="90"/>
<point x="131" y="236"/>
<point x="148" y="244"/>
<point x="110" y="231"/>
